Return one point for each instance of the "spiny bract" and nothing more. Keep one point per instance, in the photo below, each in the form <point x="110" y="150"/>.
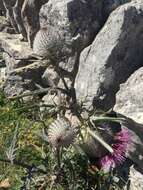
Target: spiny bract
<point x="61" y="133"/>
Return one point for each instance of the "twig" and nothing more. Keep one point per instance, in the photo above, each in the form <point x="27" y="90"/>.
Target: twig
<point x="100" y="140"/>
<point x="58" y="155"/>
<point x="100" y="118"/>
<point x="36" y="92"/>
<point x="33" y="106"/>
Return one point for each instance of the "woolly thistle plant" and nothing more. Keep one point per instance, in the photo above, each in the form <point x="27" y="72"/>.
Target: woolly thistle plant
<point x="99" y="137"/>
<point x="106" y="145"/>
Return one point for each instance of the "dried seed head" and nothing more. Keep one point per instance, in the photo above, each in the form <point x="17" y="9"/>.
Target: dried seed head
<point x="61" y="133"/>
<point x="51" y="43"/>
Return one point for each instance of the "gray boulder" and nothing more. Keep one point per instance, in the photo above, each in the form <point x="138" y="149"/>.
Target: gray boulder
<point x="66" y="28"/>
<point x="129" y="99"/>
<point x="14" y="50"/>
<point x="135" y="129"/>
<point x="129" y="102"/>
<point x="23" y="70"/>
<point x="113" y="56"/>
<point x="24" y="78"/>
<point x="15" y="85"/>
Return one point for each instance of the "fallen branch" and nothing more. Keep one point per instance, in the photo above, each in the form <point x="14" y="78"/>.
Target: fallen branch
<point x="37" y="92"/>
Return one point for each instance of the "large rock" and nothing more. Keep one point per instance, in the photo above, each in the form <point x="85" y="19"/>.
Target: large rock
<point x="66" y="28"/>
<point x="136" y="179"/>
<point x="113" y="56"/>
<point x="16" y="85"/>
<point x="13" y="46"/>
<point x="24" y="72"/>
<point x="34" y="70"/>
<point x="25" y="78"/>
<point x="129" y="99"/>
<point x="14" y="50"/>
<point x="129" y="103"/>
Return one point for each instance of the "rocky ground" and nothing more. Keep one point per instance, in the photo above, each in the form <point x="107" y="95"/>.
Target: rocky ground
<point x="98" y="47"/>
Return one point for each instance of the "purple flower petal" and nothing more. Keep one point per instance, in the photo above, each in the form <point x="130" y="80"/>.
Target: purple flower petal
<point x="110" y="161"/>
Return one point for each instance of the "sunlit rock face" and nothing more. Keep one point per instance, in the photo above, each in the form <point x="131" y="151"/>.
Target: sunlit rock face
<point x="129" y="102"/>
<point x="67" y="27"/>
<point x="129" y="99"/>
<point x="113" y="56"/>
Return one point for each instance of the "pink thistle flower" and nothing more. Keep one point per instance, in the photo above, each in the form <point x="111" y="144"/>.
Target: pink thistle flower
<point x="121" y="141"/>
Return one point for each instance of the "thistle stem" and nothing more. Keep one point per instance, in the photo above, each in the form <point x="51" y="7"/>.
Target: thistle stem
<point x="58" y="155"/>
<point x="98" y="119"/>
<point x="100" y="140"/>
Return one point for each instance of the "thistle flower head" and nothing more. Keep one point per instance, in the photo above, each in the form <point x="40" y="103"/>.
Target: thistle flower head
<point x="120" y="146"/>
<point x="61" y="133"/>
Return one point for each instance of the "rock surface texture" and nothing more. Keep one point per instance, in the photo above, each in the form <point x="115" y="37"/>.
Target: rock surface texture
<point x="113" y="56"/>
<point x="129" y="102"/>
<point x="129" y="99"/>
<point x="136" y="179"/>
<point x="66" y="28"/>
<point x="23" y="72"/>
<point x="91" y="46"/>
